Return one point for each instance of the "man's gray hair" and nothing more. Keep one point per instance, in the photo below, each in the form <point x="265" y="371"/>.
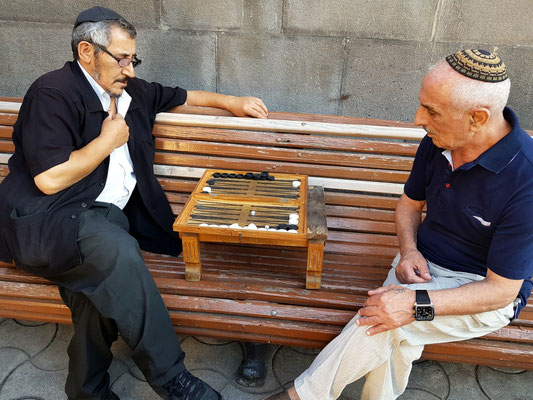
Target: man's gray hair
<point x="469" y="93"/>
<point x="98" y="33"/>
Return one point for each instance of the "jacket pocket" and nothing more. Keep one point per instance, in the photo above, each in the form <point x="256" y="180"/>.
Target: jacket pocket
<point x="28" y="245"/>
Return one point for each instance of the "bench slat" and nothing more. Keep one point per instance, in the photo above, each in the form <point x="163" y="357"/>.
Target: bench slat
<point x="258" y="309"/>
<point x="275" y="125"/>
<point x="247" y="337"/>
<point x="399" y="148"/>
<point x="6" y="132"/>
<point x="6" y="146"/>
<point x="483" y="352"/>
<point x="276" y="154"/>
<point x="288" y="167"/>
<point x="8" y="119"/>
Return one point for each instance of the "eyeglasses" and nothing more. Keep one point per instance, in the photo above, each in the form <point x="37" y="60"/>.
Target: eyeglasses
<point x="122" y="62"/>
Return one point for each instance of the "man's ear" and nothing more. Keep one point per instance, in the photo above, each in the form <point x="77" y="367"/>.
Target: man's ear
<point x="85" y="52"/>
<point x="479" y="118"/>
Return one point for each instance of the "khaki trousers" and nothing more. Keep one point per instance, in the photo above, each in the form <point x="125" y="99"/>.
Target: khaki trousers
<point x="385" y="359"/>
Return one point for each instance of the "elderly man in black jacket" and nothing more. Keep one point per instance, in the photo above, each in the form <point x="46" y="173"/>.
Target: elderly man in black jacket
<point x="81" y="200"/>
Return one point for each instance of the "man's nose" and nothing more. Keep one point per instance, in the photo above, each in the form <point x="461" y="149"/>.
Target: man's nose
<point x="129" y="71"/>
<point x="420" y="119"/>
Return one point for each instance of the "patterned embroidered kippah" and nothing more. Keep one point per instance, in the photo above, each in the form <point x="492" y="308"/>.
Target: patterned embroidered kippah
<point x="478" y="64"/>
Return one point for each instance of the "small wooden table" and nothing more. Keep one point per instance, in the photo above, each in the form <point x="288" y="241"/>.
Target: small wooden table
<point x="254" y="208"/>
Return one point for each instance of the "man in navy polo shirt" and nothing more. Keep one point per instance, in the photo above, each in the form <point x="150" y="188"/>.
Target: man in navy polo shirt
<point x="464" y="270"/>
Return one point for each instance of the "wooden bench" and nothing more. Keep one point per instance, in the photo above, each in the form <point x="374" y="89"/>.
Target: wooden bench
<point x="258" y="294"/>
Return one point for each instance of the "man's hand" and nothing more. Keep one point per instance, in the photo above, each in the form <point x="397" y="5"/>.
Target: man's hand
<point x="412" y="268"/>
<point x="243" y="106"/>
<point x="388" y="307"/>
<point x="114" y="130"/>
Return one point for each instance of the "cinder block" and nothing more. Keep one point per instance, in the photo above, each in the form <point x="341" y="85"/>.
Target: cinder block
<point x="383" y="77"/>
<point x="504" y="22"/>
<point x="206" y="15"/>
<point x="411" y="19"/>
<point x="295" y="74"/>
<point x="263" y="16"/>
<point x="27" y="51"/>
<point x="177" y="58"/>
<point x="140" y="14"/>
<point x="518" y="61"/>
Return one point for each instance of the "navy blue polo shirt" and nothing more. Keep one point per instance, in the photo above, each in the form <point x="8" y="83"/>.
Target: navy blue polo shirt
<point x="480" y="215"/>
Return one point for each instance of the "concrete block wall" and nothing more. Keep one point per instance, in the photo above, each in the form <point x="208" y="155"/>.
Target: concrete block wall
<point x="347" y="57"/>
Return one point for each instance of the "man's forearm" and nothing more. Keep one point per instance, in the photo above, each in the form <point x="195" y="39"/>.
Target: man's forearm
<point x="408" y="217"/>
<point x="80" y="164"/>
<point x="114" y="133"/>
<point x="489" y="294"/>
<point x="390" y="307"/>
<point x="239" y="106"/>
<point x="208" y="99"/>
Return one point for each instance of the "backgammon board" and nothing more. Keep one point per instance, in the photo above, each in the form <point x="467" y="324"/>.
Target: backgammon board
<point x="248" y="207"/>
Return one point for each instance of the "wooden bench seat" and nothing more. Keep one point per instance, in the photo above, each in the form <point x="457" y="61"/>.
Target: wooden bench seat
<point x="258" y="293"/>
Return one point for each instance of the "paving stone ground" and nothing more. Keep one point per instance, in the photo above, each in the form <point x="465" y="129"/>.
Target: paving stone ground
<point x="33" y="366"/>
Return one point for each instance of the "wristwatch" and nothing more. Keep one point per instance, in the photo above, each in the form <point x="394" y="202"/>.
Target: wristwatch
<point x="423" y="307"/>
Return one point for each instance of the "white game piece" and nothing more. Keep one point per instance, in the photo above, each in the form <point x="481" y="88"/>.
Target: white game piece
<point x="204" y="225"/>
<point x="262" y="229"/>
<point x="206" y="189"/>
<point x="296" y="216"/>
<point x="235" y="226"/>
<point x="213" y="226"/>
<point x="296" y="183"/>
<point x="267" y="226"/>
<point x="252" y="212"/>
<point x="251" y="226"/>
<point x="223" y="226"/>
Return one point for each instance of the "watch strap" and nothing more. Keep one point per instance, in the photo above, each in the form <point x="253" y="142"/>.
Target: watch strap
<point x="422" y="297"/>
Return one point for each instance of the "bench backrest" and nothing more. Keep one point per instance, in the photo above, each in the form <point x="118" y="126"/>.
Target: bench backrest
<point x="362" y="164"/>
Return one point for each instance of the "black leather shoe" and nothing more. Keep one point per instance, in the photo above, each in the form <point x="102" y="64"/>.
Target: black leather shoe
<point x="186" y="386"/>
<point x="252" y="371"/>
<point x="111" y="396"/>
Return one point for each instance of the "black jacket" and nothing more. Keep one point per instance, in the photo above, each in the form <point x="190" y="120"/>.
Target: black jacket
<point x="62" y="113"/>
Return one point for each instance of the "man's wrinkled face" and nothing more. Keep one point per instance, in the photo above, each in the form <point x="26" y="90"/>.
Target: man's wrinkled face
<point x="448" y="127"/>
<point x="109" y="75"/>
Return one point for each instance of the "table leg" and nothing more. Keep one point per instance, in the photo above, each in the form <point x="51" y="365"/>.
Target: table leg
<point x="315" y="257"/>
<point x="191" y="256"/>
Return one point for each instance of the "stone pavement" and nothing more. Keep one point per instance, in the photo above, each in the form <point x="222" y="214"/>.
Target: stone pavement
<point x="33" y="366"/>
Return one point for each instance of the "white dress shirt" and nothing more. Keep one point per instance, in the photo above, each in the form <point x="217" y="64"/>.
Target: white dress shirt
<point x="121" y="179"/>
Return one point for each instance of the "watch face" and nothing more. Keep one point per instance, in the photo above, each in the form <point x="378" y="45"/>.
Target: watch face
<point x="424" y="313"/>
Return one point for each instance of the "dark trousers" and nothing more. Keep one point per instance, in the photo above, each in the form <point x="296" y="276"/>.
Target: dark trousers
<point x="112" y="292"/>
